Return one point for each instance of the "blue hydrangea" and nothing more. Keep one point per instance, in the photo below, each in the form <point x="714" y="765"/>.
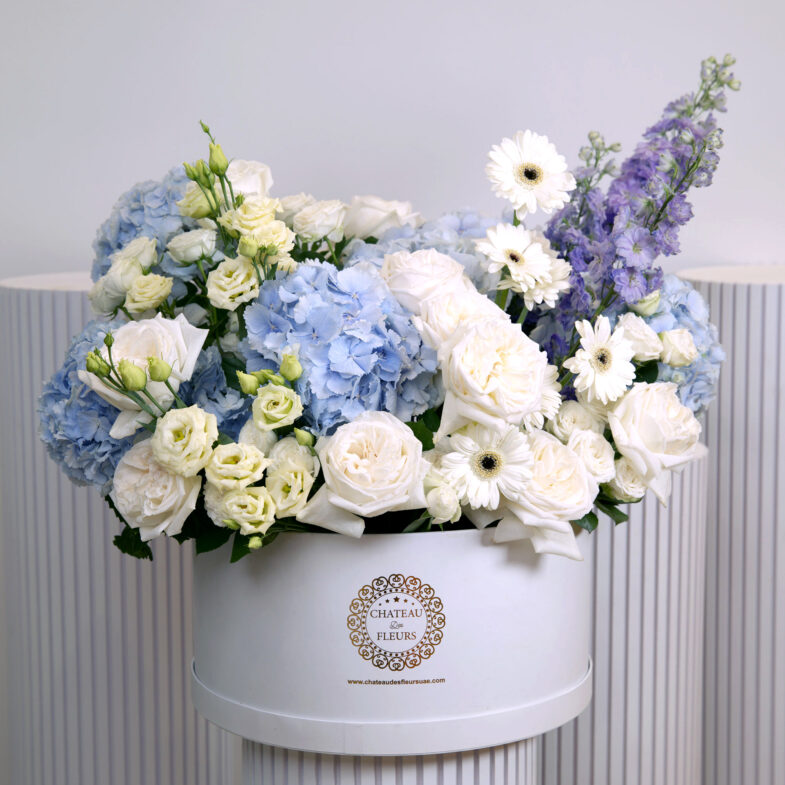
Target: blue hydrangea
<point x="207" y="388"/>
<point x="148" y="209"/>
<point x="453" y="234"/>
<point x="358" y="347"/>
<point x="75" y="421"/>
<point x="681" y="307"/>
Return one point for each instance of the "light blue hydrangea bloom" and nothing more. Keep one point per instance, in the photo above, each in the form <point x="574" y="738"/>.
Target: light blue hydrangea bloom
<point x="358" y="347"/>
<point x="148" y="209"/>
<point x="207" y="388"/>
<point x="681" y="307"/>
<point x="453" y="234"/>
<point x="75" y="421"/>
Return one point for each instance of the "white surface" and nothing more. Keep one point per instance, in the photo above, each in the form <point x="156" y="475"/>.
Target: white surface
<point x="402" y="99"/>
<point x="768" y="274"/>
<point x="514" y="656"/>
<point x="50" y="282"/>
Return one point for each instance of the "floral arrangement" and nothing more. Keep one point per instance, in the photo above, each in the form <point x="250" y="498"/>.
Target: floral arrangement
<point x="261" y="365"/>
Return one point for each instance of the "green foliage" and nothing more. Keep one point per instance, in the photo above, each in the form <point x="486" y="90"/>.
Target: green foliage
<point x="129" y="540"/>
<point x="589" y="522"/>
<point x="647" y="372"/>
<point x="240" y="544"/>
<point x="611" y="509"/>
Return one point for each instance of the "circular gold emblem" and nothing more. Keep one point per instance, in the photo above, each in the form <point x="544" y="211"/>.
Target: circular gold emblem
<point x="396" y="622"/>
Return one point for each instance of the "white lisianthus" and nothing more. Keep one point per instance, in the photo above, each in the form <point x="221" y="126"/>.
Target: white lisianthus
<point x="371" y="465"/>
<point x="232" y="282"/>
<point x="143" y="250"/>
<point x="250" y="217"/>
<point x="321" y="221"/>
<point x="149" y="497"/>
<point x="252" y="509"/>
<point x="109" y="291"/>
<point x="147" y="292"/>
<point x="596" y="453"/>
<point x="293" y="470"/>
<point x="371" y="216"/>
<point x="443" y="504"/>
<point x="627" y="485"/>
<point x="183" y="440"/>
<point x="645" y="342"/>
<point x="250" y="178"/>
<point x="573" y="416"/>
<point x="413" y="277"/>
<point x="494" y="375"/>
<point x="275" y="234"/>
<point x="175" y="341"/>
<point x="187" y="247"/>
<point x="648" y="305"/>
<point x="194" y="204"/>
<point x="678" y="348"/>
<point x="262" y="440"/>
<point x="276" y="406"/>
<point x="235" y="465"/>
<point x="291" y="205"/>
<point x="656" y="433"/>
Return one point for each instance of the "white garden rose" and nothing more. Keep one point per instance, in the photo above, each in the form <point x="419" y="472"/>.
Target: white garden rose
<point x="231" y="283"/>
<point x="627" y="485"/>
<point x="656" y="433"/>
<point x="187" y="247"/>
<point x="678" y="348"/>
<point x="147" y="292"/>
<point x="291" y="205"/>
<point x="371" y="465"/>
<point x="414" y="277"/>
<point x="371" y="216"/>
<point x="321" y="220"/>
<point x="596" y="453"/>
<point x="250" y="178"/>
<point x="235" y="465"/>
<point x="252" y="509"/>
<point x="262" y="440"/>
<point x="645" y="342"/>
<point x="194" y="204"/>
<point x="573" y="416"/>
<point x="293" y="470"/>
<point x="250" y="217"/>
<point x="276" y="406"/>
<point x="149" y="497"/>
<point x="183" y="440"/>
<point x="175" y="341"/>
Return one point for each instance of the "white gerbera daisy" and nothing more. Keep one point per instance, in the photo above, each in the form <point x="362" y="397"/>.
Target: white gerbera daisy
<point x="529" y="172"/>
<point x="485" y="466"/>
<point x="603" y="364"/>
<point x="514" y="248"/>
<point x="546" y="291"/>
<point x="549" y="403"/>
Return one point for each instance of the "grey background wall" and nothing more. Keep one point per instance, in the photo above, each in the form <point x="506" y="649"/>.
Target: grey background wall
<point x="399" y="98"/>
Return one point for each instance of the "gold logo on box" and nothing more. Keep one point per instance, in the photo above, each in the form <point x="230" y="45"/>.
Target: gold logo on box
<point x="396" y="622"/>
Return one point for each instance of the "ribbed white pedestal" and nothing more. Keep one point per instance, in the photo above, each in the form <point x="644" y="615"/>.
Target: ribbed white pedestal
<point x="644" y="724"/>
<point x="95" y="682"/>
<point x="511" y="764"/>
<point x="745" y="608"/>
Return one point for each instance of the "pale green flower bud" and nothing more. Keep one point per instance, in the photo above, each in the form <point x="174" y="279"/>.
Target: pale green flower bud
<point x="291" y="368"/>
<point x="218" y="161"/>
<point x="266" y="375"/>
<point x="159" y="369"/>
<point x="203" y="173"/>
<point x="97" y="365"/>
<point x="190" y="172"/>
<point x="230" y="524"/>
<point x="108" y="340"/>
<point x="648" y="305"/>
<point x="249" y="383"/>
<point x="254" y="543"/>
<point x="134" y="378"/>
<point x="247" y="246"/>
<point x="304" y="437"/>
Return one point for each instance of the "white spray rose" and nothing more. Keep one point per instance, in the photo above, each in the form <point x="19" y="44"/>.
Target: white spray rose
<point x="645" y="342"/>
<point x="321" y="220"/>
<point x="371" y="465"/>
<point x="183" y="440"/>
<point x="291" y="205"/>
<point x="232" y="282"/>
<point x="276" y="406"/>
<point x="627" y="485"/>
<point x="149" y="497"/>
<point x="250" y="178"/>
<point x="144" y="250"/>
<point x="595" y="406"/>
<point x="236" y="465"/>
<point x="175" y="341"/>
<point x="656" y="433"/>
<point x="187" y="247"/>
<point x="262" y="440"/>
<point x="250" y="217"/>
<point x="194" y="204"/>
<point x="596" y="453"/>
<point x="574" y="416"/>
<point x="293" y="470"/>
<point x="147" y="292"/>
<point x="443" y="504"/>
<point x="648" y="305"/>
<point x="370" y="216"/>
<point x="108" y="292"/>
<point x="413" y="277"/>
<point x="678" y="348"/>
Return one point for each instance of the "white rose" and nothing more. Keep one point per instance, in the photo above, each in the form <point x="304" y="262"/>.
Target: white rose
<point x="183" y="440"/>
<point x="493" y="374"/>
<point x="574" y="416"/>
<point x="678" y="348"/>
<point x="147" y="292"/>
<point x="371" y="465"/>
<point x="276" y="406"/>
<point x="293" y="470"/>
<point x="236" y="465"/>
<point x="655" y="432"/>
<point x="250" y="217"/>
<point x="194" y="204"/>
<point x="596" y="453"/>
<point x="103" y="300"/>
<point x="149" y="497"/>
<point x="109" y="292"/>
<point x="262" y="440"/>
<point x="595" y="406"/>
<point x="413" y="277"/>
<point x="291" y="205"/>
<point x="187" y="247"/>
<point x="443" y="504"/>
<point x="645" y="342"/>
<point x="321" y="220"/>
<point x="232" y="282"/>
<point x="253" y="509"/>
<point x="144" y="250"/>
<point x="627" y="485"/>
<point x="175" y="341"/>
<point x="250" y="178"/>
<point x="648" y="305"/>
<point x="370" y="216"/>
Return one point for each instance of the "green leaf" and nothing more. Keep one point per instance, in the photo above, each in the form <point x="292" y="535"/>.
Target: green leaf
<point x="214" y="538"/>
<point x="432" y="419"/>
<point x="423" y="433"/>
<point x="647" y="372"/>
<point x="589" y="522"/>
<point x="239" y="547"/>
<point x="130" y="542"/>
<point x="419" y="523"/>
<point x="613" y="512"/>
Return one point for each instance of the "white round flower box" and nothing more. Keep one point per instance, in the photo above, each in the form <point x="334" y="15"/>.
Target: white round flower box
<point x="393" y="644"/>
